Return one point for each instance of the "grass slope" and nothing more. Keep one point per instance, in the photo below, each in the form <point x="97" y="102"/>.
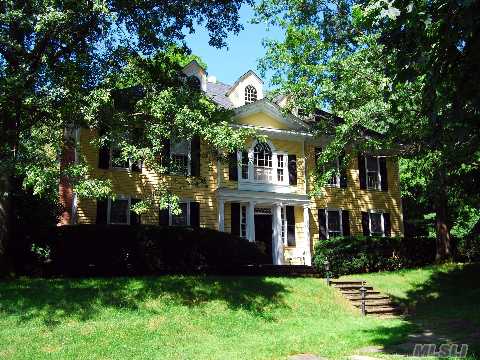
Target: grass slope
<point x="182" y="317"/>
<point x="444" y="299"/>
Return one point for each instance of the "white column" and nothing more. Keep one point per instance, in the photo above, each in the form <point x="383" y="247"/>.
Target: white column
<point x="306" y="232"/>
<point x="277" y="246"/>
<point x="221" y="215"/>
<point x="251" y="221"/>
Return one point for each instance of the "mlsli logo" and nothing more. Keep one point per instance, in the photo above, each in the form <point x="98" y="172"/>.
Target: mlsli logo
<point x="443" y="350"/>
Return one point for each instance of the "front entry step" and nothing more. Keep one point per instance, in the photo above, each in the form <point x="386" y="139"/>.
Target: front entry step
<point x="375" y="302"/>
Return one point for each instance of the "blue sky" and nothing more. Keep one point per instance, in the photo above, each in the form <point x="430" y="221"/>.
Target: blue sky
<point x="243" y="52"/>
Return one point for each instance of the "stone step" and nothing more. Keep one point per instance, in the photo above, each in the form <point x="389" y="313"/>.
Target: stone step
<point x="373" y="302"/>
<point x="368" y="296"/>
<point x="356" y="292"/>
<point x="346" y="282"/>
<point x="384" y="310"/>
<point x="352" y="287"/>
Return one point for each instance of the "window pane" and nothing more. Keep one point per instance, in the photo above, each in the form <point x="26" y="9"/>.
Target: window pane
<point x="244" y="165"/>
<point x="117" y="160"/>
<point x="376" y="220"/>
<point x="119" y="211"/>
<point x="243" y="222"/>
<point x="372" y="163"/>
<point x="250" y="94"/>
<point x="181" y="219"/>
<point x="334" y="221"/>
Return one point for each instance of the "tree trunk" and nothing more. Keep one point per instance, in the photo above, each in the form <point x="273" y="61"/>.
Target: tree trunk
<point x="443" y="240"/>
<point x="6" y="264"/>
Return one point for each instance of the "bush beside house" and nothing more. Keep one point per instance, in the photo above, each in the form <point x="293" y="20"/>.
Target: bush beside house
<point x="107" y="250"/>
<point x="361" y="254"/>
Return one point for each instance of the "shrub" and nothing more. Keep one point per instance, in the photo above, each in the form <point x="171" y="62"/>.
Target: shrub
<point x="81" y="250"/>
<point x="361" y="254"/>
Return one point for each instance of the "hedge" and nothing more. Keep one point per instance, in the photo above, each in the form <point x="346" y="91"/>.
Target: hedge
<point x="362" y="254"/>
<point x="106" y="250"/>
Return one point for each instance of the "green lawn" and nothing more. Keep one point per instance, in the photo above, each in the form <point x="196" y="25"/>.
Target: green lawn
<point x="189" y="317"/>
<point x="175" y="317"/>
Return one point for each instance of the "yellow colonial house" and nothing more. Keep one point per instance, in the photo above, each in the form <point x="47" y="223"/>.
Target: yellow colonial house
<point x="264" y="193"/>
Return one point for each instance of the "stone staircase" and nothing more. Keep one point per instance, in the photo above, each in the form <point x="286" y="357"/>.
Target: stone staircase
<point x="375" y="302"/>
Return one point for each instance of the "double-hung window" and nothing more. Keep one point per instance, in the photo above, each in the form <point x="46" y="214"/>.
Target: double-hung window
<point x="377" y="226"/>
<point x="243" y="221"/>
<point x="281" y="162"/>
<point x="335" y="179"/>
<point x="119" y="211"/>
<point x="180" y="157"/>
<point x="181" y="219"/>
<point x="334" y="223"/>
<point x="372" y="166"/>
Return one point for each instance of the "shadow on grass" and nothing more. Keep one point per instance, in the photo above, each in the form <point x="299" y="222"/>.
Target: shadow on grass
<point x="444" y="309"/>
<point x="53" y="301"/>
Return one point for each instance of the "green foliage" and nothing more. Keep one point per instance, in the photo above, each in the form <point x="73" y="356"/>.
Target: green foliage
<point x="405" y="69"/>
<point x="361" y="254"/>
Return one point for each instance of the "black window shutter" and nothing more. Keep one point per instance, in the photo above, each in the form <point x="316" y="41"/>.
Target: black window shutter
<point x="244" y="163"/>
<point x="233" y="167"/>
<point x="290" y="215"/>
<point x="292" y="169"/>
<point x="343" y="170"/>
<point x="165" y="156"/>
<point x="195" y="214"/>
<point x="366" y="223"/>
<point x="387" y="224"/>
<point x="102" y="205"/>
<point x="235" y="218"/>
<point x="164" y="217"/>
<point x="322" y="223"/>
<point x="383" y="173"/>
<point x="134" y="217"/>
<point x="195" y="156"/>
<point x="346" y="222"/>
<point x="318" y="151"/>
<point x="362" y="172"/>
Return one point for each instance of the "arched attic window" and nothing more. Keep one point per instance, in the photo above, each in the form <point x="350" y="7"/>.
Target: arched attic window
<point x="262" y="162"/>
<point x="195" y="82"/>
<point x="250" y="94"/>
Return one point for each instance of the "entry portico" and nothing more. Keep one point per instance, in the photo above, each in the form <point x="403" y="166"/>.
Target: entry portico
<point x="280" y="207"/>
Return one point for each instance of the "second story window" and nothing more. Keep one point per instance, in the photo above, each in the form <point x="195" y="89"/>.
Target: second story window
<point x="280" y="168"/>
<point x="373" y="172"/>
<point x="250" y="94"/>
<point x="180" y="157"/>
<point x="262" y="163"/>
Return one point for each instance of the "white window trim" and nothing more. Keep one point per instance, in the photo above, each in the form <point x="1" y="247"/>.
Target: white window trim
<point x="379" y="175"/>
<point x="109" y="208"/>
<point x="382" y="222"/>
<point x="337" y="175"/>
<point x="285" y="226"/>
<point x="189" y="158"/>
<point x="188" y="213"/>
<point x="340" y="219"/>
<point x="251" y="177"/>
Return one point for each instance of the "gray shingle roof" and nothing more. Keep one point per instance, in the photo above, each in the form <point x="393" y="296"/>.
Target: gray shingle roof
<point x="216" y="91"/>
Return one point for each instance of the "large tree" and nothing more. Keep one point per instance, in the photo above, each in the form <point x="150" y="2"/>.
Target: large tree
<point x="57" y="60"/>
<point x="407" y="69"/>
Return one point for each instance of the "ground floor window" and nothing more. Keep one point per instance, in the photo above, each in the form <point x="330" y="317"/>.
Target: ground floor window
<point x="376" y="223"/>
<point x="334" y="223"/>
<point x="119" y="211"/>
<point x="243" y="221"/>
<point x="182" y="219"/>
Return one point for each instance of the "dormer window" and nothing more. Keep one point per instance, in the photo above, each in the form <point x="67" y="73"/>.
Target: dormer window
<point x="195" y="82"/>
<point x="250" y="94"/>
